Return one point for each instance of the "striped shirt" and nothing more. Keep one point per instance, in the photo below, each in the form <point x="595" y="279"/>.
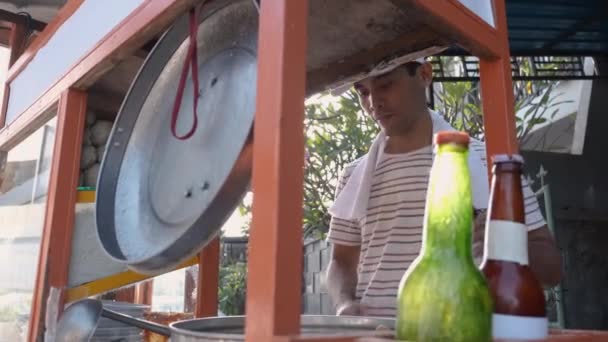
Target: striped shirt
<point x="390" y="234"/>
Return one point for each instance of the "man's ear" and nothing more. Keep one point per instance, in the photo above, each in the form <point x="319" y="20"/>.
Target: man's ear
<point x="425" y="73"/>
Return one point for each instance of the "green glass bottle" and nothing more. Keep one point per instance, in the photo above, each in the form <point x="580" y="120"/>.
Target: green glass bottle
<point x="443" y="296"/>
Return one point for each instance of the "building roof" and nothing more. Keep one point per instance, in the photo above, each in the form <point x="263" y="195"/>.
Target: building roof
<point x="558" y="27"/>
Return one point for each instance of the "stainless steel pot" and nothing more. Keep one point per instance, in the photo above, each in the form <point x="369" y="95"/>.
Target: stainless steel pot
<point x="228" y="329"/>
<point x="78" y="323"/>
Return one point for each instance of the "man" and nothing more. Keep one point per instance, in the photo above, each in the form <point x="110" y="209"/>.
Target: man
<point x="372" y="249"/>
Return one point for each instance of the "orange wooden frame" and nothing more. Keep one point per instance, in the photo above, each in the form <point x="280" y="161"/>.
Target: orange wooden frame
<point x="24" y="58"/>
<point x="16" y="42"/>
<point x="208" y="279"/>
<point x="147" y="20"/>
<point x="497" y="93"/>
<point x="274" y="268"/>
<point x="19" y="59"/>
<point x="453" y="19"/>
<point x="55" y="248"/>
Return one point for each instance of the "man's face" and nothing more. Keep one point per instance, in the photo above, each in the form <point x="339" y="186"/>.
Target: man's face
<point x="396" y="99"/>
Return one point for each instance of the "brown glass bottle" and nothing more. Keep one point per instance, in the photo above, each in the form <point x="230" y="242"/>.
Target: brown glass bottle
<point x="519" y="301"/>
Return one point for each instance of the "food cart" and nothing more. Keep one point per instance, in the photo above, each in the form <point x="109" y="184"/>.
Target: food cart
<point x="257" y="63"/>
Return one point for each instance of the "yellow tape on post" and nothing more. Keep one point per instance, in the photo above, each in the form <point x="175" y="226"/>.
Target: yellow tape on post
<point x="113" y="282"/>
<point x="85" y="195"/>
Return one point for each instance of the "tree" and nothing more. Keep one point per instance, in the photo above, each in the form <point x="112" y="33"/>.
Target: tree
<point x="460" y="102"/>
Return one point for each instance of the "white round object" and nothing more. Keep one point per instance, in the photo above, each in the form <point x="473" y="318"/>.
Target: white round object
<point x="100" y="151"/>
<point x="90" y="175"/>
<point x="100" y="132"/>
<point x="91" y="118"/>
<point x="88" y="157"/>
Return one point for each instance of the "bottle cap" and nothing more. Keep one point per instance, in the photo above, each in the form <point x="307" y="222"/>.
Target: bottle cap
<point x="452" y="137"/>
<point x="507" y="158"/>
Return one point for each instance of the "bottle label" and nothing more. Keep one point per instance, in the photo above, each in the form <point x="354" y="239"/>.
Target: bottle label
<point x="507" y="241"/>
<point x="519" y="327"/>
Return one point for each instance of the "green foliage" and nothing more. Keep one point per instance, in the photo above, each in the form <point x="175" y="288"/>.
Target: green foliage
<point x="460" y="102"/>
<point x="233" y="288"/>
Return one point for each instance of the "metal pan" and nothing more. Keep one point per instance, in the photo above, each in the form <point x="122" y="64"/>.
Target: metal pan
<point x="160" y="199"/>
<point x="79" y="321"/>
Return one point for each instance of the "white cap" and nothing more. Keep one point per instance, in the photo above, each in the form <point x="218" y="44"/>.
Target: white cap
<point x="384" y="67"/>
<point x="507" y="158"/>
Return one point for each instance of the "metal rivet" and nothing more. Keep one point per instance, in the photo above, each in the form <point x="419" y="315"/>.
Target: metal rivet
<point x="188" y="193"/>
<point x="205" y="186"/>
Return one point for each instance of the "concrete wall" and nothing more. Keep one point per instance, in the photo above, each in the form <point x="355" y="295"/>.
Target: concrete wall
<point x="314" y="296"/>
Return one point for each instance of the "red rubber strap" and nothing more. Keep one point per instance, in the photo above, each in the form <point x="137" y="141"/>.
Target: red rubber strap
<point x="191" y="61"/>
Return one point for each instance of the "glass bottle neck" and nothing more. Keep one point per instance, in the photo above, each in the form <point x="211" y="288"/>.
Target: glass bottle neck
<point x="507" y="203"/>
<point x="506" y="233"/>
<point x="449" y="210"/>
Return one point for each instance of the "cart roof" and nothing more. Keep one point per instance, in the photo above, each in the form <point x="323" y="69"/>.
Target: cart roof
<point x="540" y="27"/>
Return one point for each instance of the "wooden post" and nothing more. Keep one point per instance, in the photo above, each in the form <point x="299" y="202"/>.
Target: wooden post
<point x="208" y="278"/>
<point x="275" y="244"/>
<point x="17" y="41"/>
<point x="497" y="93"/>
<point x="56" y="244"/>
<point x="144" y="291"/>
<point x="125" y="294"/>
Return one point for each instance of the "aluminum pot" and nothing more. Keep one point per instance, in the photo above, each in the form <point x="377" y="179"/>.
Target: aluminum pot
<point x="231" y="328"/>
<point x="80" y="319"/>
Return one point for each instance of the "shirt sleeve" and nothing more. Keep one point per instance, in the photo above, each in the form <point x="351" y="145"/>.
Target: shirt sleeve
<point x="344" y="232"/>
<point x="534" y="216"/>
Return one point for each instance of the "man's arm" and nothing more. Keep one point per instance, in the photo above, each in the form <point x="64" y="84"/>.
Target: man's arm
<point x="544" y="256"/>
<point x="341" y="279"/>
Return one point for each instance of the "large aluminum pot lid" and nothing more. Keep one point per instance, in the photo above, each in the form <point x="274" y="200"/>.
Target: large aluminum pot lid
<point x="160" y="200"/>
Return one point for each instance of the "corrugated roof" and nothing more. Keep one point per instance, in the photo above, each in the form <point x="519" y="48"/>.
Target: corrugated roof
<point x="556" y="27"/>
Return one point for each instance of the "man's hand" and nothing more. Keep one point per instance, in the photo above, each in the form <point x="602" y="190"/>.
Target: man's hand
<point x="351" y="308"/>
<point x="341" y="279"/>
